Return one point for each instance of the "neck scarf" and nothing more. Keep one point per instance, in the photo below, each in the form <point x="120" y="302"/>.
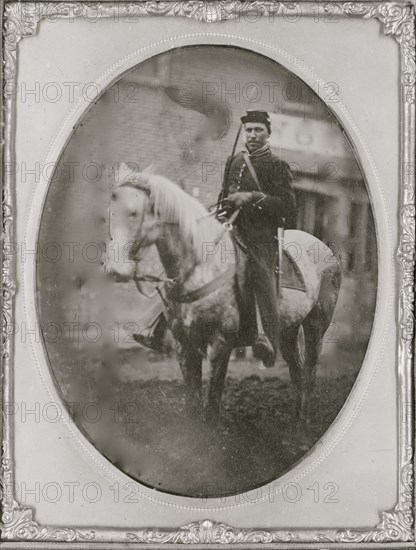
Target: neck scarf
<point x="262" y="152"/>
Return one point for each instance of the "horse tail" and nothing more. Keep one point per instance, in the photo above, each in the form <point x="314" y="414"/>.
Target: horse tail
<point x="314" y="326"/>
<point x="319" y="318"/>
<point x="323" y="310"/>
<point x="301" y="342"/>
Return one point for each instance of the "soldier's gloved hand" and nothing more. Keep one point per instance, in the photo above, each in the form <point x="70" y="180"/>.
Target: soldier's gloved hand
<point x="221" y="214"/>
<point x="238" y="200"/>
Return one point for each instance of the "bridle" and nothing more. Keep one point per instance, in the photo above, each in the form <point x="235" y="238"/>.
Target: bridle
<point x="135" y="249"/>
<point x="172" y="283"/>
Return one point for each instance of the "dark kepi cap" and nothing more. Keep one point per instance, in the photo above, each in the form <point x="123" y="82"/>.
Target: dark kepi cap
<point x="257" y="116"/>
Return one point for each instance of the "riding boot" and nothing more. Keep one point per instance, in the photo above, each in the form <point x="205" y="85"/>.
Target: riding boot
<point x="262" y="347"/>
<point x="155" y="338"/>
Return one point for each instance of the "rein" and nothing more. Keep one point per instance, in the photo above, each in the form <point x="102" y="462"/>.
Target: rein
<point x="171" y="285"/>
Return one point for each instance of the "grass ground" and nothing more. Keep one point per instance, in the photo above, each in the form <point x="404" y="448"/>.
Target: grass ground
<point x="144" y="431"/>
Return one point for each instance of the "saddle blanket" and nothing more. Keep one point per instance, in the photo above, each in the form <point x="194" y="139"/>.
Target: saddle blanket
<point x="291" y="274"/>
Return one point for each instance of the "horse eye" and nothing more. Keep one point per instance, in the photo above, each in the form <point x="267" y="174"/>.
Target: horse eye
<point x="113" y="196"/>
<point x="133" y="214"/>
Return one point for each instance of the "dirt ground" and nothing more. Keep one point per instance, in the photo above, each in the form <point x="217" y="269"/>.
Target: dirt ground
<point x="143" y="428"/>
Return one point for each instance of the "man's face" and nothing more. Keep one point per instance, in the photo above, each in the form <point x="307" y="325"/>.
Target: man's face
<point x="256" y="135"/>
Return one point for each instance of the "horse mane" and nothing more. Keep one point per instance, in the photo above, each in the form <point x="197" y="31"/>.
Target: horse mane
<point x="173" y="205"/>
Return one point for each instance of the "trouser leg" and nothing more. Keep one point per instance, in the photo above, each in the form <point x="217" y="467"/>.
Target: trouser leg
<point x="247" y="305"/>
<point x="160" y="328"/>
<point x="263" y="267"/>
<point x="149" y="316"/>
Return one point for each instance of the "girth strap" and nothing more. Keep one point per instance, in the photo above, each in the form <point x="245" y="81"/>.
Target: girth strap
<point x="203" y="291"/>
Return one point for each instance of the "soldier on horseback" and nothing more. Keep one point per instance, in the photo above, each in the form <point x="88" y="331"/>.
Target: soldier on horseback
<point x="202" y="300"/>
<point x="259" y="185"/>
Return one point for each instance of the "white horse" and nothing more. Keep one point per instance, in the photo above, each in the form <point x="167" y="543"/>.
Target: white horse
<point x="206" y="273"/>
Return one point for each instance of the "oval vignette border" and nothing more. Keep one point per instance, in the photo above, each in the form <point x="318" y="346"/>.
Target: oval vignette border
<point x="360" y="386"/>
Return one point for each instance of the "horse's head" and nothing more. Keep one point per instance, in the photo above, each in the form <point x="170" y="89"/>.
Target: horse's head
<point x="133" y="225"/>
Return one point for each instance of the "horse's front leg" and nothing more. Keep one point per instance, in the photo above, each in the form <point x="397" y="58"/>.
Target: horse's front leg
<point x="190" y="361"/>
<point x="218" y="355"/>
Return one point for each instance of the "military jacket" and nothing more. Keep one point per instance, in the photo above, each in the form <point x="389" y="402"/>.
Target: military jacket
<point x="272" y="207"/>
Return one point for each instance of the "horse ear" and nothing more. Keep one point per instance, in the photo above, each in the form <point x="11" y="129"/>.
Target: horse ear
<point x="145" y="186"/>
<point x="151" y="169"/>
<point x="121" y="172"/>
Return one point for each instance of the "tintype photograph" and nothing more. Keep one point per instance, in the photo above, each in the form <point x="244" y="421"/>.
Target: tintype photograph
<point x="208" y="274"/>
<point x="217" y="271"/>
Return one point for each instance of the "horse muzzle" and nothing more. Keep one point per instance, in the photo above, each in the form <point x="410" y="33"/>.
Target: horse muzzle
<point x="116" y="275"/>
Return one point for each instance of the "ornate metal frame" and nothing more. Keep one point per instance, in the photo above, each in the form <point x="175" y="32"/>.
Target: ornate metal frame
<point x="397" y="526"/>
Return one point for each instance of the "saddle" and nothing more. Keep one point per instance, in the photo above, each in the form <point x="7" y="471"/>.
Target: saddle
<point x="291" y="277"/>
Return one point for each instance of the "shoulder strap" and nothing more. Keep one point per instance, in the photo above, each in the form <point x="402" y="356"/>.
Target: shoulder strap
<point x="252" y="171"/>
